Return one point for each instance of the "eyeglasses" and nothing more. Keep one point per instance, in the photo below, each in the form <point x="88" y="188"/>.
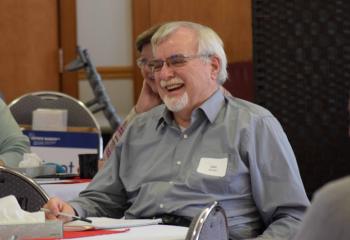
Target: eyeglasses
<point x="177" y="60"/>
<point x="142" y="62"/>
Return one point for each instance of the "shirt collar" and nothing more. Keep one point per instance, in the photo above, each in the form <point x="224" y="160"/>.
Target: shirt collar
<point x="210" y="108"/>
<point x="212" y="105"/>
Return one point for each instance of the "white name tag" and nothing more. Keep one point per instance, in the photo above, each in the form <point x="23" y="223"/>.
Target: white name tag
<point x="213" y="166"/>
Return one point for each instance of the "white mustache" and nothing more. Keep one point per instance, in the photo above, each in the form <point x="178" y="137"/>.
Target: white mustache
<point x="173" y="81"/>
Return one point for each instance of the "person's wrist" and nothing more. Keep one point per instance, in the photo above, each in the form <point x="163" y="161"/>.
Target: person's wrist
<point x="139" y="109"/>
<point x="136" y="110"/>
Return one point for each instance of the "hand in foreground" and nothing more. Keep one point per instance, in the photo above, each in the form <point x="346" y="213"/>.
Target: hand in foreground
<point x="148" y="98"/>
<point x="56" y="205"/>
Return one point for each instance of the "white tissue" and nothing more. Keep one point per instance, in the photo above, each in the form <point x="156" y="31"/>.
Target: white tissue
<point x="30" y="160"/>
<point x="12" y="213"/>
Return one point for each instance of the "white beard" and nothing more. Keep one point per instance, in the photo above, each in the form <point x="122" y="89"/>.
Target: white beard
<point x="176" y="104"/>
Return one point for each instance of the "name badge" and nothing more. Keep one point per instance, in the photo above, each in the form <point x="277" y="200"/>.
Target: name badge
<point x="213" y="166"/>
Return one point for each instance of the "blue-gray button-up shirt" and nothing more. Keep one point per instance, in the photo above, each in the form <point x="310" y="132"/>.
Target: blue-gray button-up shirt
<point x="233" y="152"/>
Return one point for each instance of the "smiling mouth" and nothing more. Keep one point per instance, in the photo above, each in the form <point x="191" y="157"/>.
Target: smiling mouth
<point x="174" y="87"/>
<point x="172" y="84"/>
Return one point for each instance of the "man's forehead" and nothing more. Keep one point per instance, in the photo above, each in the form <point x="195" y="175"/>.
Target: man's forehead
<point x="183" y="40"/>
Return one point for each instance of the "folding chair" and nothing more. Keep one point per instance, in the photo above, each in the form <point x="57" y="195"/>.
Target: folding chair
<point x="30" y="196"/>
<point x="211" y="223"/>
<point x="83" y="135"/>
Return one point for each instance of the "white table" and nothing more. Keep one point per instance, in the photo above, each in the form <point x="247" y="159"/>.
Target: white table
<point x="152" y="232"/>
<point x="66" y="191"/>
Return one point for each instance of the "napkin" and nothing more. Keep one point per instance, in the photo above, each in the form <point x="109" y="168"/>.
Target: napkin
<point x="30" y="160"/>
<point x="12" y="213"/>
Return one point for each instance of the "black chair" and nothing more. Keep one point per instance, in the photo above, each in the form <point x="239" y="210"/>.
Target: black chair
<point x="211" y="223"/>
<point x="30" y="196"/>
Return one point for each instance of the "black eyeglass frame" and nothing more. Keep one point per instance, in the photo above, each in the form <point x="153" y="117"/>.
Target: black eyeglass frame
<point x="177" y="60"/>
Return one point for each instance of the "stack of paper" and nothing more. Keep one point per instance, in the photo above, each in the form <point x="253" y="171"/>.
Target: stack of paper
<point x="109" y="223"/>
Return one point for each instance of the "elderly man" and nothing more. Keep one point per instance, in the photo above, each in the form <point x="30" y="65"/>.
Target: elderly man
<point x="198" y="147"/>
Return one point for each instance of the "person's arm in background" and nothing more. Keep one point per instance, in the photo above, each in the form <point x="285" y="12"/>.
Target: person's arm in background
<point x="13" y="143"/>
<point x="328" y="217"/>
<point x="329" y="214"/>
<point x="146" y="101"/>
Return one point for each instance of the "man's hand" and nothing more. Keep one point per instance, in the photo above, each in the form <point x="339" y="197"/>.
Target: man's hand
<point x="56" y="205"/>
<point x="148" y="99"/>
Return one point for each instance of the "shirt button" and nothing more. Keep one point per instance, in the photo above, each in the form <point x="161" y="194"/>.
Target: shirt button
<point x="161" y="205"/>
<point x="185" y="136"/>
<point x="178" y="162"/>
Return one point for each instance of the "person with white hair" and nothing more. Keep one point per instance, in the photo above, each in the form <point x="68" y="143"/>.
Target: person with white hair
<point x="198" y="147"/>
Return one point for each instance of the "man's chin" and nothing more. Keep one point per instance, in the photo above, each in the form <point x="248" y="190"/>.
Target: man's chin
<point x="175" y="109"/>
<point x="176" y="104"/>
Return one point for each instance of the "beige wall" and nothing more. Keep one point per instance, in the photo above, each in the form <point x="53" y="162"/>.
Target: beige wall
<point x="104" y="28"/>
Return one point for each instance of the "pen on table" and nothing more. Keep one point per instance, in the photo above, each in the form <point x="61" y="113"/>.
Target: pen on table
<point x="67" y="215"/>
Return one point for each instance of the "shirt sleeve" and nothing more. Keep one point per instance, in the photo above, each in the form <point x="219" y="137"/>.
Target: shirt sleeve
<point x="13" y="143"/>
<point x="276" y="183"/>
<point x="105" y="196"/>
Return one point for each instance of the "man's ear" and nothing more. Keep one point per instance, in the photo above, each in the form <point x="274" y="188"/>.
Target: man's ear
<point x="215" y="67"/>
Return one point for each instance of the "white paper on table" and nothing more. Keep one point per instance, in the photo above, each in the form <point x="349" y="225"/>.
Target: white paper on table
<point x="109" y="223"/>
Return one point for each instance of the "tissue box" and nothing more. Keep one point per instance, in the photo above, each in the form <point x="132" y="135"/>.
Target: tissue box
<point x="49" y="119"/>
<point x="49" y="229"/>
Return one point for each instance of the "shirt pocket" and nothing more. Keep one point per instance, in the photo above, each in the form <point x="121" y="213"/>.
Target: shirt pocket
<point x="236" y="179"/>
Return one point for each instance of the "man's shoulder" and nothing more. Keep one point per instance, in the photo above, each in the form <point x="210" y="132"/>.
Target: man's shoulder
<point x="244" y="106"/>
<point x="150" y="116"/>
<point x="143" y="123"/>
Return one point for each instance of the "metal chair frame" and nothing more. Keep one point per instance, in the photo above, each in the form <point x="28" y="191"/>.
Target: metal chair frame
<point x="7" y="174"/>
<point x="197" y="224"/>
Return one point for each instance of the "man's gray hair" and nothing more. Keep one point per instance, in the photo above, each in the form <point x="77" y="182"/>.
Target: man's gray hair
<point x="209" y="42"/>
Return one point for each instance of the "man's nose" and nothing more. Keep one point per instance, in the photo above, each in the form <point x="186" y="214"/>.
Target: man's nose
<point x="166" y="72"/>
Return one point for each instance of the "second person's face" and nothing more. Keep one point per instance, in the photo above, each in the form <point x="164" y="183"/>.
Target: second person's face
<point x="146" y="72"/>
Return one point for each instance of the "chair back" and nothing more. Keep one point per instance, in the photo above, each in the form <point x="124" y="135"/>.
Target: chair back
<point x="211" y="223"/>
<point x="78" y="114"/>
<point x="30" y="196"/>
<point x="83" y="135"/>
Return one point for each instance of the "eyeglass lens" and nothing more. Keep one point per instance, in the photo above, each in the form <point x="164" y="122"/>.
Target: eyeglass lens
<point x="178" y="60"/>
